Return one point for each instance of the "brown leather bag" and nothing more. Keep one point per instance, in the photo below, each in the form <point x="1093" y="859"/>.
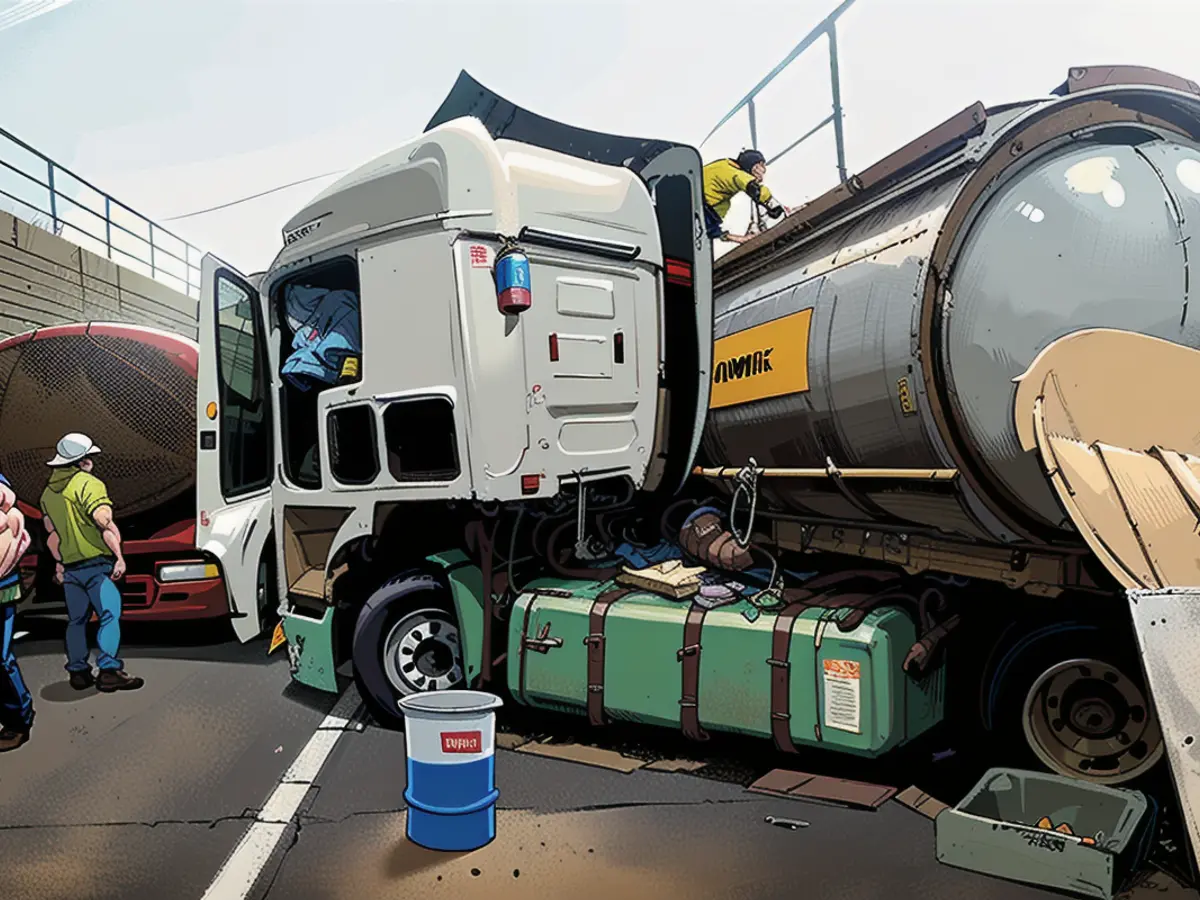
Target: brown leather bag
<point x="705" y="539"/>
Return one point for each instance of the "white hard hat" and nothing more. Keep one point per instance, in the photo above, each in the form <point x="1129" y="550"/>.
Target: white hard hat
<point x="72" y="448"/>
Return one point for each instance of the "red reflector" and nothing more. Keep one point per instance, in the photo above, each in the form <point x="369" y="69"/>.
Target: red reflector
<point x="619" y="347"/>
<point x="679" y="272"/>
<point x="554" y="348"/>
<point x="530" y="483"/>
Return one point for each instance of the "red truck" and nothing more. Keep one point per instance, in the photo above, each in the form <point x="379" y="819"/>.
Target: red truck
<point x="132" y="389"/>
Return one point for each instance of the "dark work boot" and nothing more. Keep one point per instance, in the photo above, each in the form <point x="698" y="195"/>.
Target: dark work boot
<point x="81" y="681"/>
<point x="11" y="739"/>
<point x="110" y="680"/>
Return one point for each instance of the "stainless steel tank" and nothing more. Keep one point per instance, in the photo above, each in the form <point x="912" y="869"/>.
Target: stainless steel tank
<point x="933" y="280"/>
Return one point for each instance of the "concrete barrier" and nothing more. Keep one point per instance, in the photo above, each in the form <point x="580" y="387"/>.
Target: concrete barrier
<point x="46" y="280"/>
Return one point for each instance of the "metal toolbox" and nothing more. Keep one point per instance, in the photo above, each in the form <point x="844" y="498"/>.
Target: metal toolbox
<point x="994" y="831"/>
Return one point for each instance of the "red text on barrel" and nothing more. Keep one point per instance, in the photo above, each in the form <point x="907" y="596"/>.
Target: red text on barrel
<point x="462" y="742"/>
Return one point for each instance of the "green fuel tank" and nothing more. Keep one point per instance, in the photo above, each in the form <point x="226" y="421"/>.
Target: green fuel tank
<point x="846" y="690"/>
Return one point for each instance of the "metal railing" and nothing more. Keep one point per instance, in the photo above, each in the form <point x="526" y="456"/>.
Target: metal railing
<point x="119" y="232"/>
<point x="828" y="27"/>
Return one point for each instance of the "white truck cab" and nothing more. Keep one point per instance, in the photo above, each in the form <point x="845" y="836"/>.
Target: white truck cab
<point x="374" y="373"/>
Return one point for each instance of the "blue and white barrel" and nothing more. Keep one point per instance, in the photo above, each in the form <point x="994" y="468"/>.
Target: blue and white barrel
<point x="451" y="741"/>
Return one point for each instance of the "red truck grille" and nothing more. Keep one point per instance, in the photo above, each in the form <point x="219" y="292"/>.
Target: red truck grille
<point x="137" y="591"/>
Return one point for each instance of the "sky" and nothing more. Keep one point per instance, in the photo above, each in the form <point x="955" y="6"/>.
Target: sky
<point x="172" y="106"/>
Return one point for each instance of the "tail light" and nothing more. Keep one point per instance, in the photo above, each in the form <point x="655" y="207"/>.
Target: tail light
<point x="679" y="272"/>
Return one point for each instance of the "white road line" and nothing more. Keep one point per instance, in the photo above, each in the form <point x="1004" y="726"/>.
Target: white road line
<point x="241" y="870"/>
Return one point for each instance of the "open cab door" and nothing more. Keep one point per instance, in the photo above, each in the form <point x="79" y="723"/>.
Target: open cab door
<point x="235" y="442"/>
<point x="673" y="175"/>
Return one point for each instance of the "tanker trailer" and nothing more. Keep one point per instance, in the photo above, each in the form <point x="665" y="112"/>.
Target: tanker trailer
<point x="976" y="358"/>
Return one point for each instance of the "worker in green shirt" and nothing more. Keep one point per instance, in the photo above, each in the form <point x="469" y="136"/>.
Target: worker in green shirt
<point x="86" y="545"/>
<point x="724" y="179"/>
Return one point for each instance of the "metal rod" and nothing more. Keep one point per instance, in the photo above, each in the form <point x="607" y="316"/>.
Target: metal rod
<point x="903" y="474"/>
<point x="837" y="101"/>
<point x="800" y="140"/>
<point x="53" y="195"/>
<point x="108" y="225"/>
<point x="753" y="126"/>
<point x="152" y="268"/>
<point x="808" y="41"/>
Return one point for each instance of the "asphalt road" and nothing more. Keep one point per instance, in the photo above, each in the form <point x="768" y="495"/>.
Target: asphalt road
<point x="219" y="779"/>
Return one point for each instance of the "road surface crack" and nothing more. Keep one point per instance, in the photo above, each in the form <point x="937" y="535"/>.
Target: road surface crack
<point x="596" y="807"/>
<point x="247" y="815"/>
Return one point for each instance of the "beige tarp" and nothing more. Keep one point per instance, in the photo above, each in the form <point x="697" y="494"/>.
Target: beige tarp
<point x="1115" y="419"/>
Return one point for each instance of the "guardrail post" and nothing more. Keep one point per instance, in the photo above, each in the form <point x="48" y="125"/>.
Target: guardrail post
<point x="837" y="101"/>
<point x="53" y="196"/>
<point x="108" y="225"/>
<point x="153" y="270"/>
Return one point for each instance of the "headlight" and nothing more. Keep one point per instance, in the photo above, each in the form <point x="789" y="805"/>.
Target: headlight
<point x="188" y="572"/>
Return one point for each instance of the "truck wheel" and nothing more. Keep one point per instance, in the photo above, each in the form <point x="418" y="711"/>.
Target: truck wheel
<point x="1083" y="711"/>
<point x="405" y="642"/>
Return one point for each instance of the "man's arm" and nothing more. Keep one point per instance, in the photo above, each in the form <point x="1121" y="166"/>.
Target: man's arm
<point x="103" y="517"/>
<point x="52" y="546"/>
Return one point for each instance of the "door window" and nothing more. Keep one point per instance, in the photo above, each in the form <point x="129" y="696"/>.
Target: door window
<point x="246" y="446"/>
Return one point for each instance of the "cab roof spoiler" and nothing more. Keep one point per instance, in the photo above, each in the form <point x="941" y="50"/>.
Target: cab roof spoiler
<point x="504" y="119"/>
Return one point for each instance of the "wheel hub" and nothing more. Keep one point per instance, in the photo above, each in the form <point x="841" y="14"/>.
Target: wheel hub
<point x="422" y="653"/>
<point x="1086" y="719"/>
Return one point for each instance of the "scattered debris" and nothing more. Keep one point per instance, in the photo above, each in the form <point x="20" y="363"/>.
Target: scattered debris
<point x="919" y="801"/>
<point x="278" y="639"/>
<point x="675" y="765"/>
<point x="671" y="578"/>
<point x="589" y="756"/>
<point x="506" y="740"/>
<point x="793" y="824"/>
<point x="279" y="749"/>
<point x="822" y="788"/>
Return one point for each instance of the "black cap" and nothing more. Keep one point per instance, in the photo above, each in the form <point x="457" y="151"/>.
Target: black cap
<point x="748" y="159"/>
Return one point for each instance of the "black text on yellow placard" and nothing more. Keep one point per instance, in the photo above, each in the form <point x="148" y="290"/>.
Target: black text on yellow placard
<point x="768" y="360"/>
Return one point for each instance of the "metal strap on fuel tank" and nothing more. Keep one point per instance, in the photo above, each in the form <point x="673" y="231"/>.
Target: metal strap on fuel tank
<point x="595" y="653"/>
<point x="689" y="656"/>
<point x="781" y="641"/>
<point x="781" y="668"/>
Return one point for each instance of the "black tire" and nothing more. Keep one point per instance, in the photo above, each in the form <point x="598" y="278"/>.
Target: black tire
<point x="1072" y="700"/>
<point x="405" y="642"/>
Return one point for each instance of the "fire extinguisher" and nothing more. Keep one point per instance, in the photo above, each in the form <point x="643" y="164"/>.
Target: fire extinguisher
<point x="511" y="272"/>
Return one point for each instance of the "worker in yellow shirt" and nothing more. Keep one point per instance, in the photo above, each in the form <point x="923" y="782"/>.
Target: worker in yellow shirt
<point x="725" y="178"/>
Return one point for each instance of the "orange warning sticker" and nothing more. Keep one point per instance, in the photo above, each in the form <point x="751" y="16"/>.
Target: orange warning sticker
<point x="843" y="694"/>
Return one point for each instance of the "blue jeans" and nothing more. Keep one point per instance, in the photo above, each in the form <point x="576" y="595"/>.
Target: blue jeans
<point x="89" y="586"/>
<point x="16" y="704"/>
<point x="712" y="223"/>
